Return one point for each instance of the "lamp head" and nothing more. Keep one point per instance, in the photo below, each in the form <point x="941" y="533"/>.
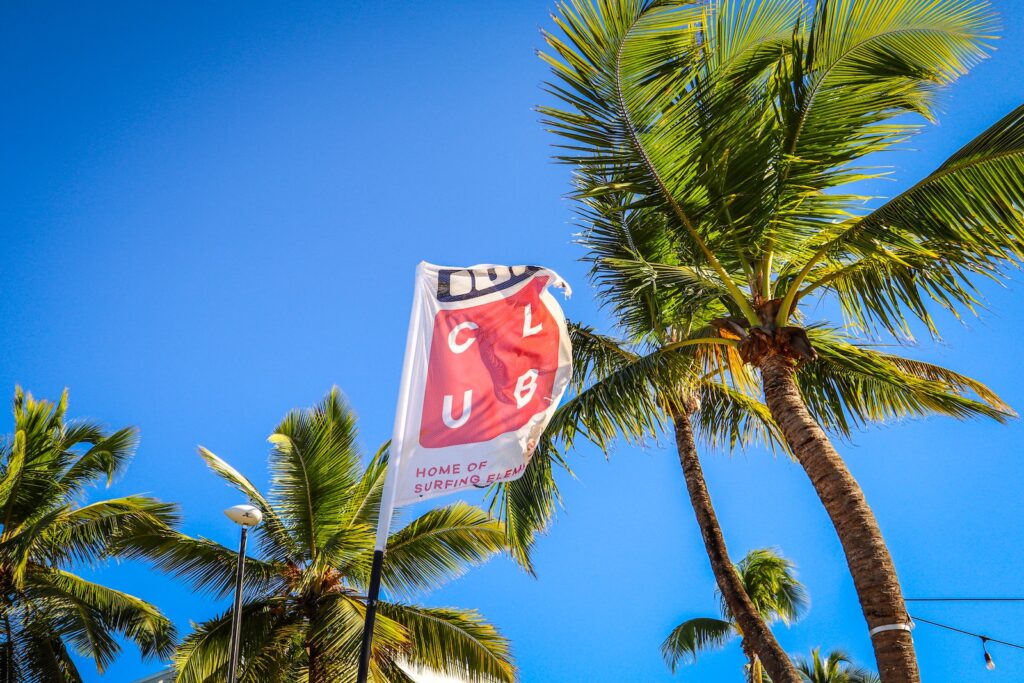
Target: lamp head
<point x="990" y="663"/>
<point x="246" y="515"/>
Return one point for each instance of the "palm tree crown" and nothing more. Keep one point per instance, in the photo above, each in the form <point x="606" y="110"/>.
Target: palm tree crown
<point x="739" y="121"/>
<point x="769" y="580"/>
<point x="48" y="613"/>
<point x="305" y="592"/>
<point x="836" y="668"/>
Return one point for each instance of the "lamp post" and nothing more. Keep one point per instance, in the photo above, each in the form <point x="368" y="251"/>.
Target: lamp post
<point x="245" y="516"/>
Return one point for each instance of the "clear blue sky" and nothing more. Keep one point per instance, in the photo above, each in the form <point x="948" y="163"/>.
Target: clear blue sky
<point x="212" y="212"/>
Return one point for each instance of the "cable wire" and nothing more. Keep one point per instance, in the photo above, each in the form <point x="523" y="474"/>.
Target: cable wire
<point x="964" y="599"/>
<point x="968" y="633"/>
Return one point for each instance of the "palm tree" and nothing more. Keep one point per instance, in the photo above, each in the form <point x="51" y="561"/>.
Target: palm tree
<point x="769" y="580"/>
<point x="666" y="373"/>
<point x="48" y="613"/>
<point x="836" y="668"/>
<point x="305" y="595"/>
<point x="738" y="125"/>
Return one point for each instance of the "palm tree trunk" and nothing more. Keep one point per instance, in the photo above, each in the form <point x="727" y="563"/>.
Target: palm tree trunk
<point x="874" y="575"/>
<point x="317" y="667"/>
<point x="8" y="648"/>
<point x="757" y="637"/>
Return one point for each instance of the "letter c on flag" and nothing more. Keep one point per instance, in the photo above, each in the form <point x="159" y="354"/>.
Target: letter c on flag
<point x="458" y="347"/>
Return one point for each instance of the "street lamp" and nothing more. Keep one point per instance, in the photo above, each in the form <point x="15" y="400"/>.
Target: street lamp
<point x="245" y="516"/>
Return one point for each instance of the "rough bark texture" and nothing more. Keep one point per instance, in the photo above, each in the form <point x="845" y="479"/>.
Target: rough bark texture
<point x="317" y="667"/>
<point x="874" y="575"/>
<point x="757" y="637"/>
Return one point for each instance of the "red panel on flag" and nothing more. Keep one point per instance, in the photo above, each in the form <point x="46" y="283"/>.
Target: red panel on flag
<point x="492" y="367"/>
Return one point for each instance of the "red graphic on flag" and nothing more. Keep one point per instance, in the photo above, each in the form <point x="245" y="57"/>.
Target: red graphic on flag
<point x="492" y="368"/>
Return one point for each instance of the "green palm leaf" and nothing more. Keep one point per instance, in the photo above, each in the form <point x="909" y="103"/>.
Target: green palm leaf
<point x="99" y="530"/>
<point x="340" y="625"/>
<point x="964" y="219"/>
<point x="454" y="642"/>
<point x="771" y="583"/>
<point x="729" y="418"/>
<point x="205" y="565"/>
<point x="274" y="539"/>
<point x="850" y="385"/>
<point x="837" y="667"/>
<point x="87" y="615"/>
<point x="45" y="658"/>
<point x="315" y="462"/>
<point x="527" y="505"/>
<point x="108" y="455"/>
<point x="203" y="656"/>
<point x="439" y="546"/>
<point x="693" y="637"/>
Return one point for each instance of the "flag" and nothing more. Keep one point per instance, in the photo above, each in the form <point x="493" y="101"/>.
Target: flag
<point x="487" y="360"/>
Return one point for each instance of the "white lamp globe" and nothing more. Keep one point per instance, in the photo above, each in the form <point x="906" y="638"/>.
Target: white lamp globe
<point x="246" y="515"/>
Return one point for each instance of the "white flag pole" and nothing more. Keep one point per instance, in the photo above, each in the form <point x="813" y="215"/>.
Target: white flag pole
<point x="387" y="500"/>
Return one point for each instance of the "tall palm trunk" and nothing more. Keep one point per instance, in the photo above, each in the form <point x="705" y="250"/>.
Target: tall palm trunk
<point x="874" y="575"/>
<point x="317" y="667"/>
<point x="757" y="637"/>
<point x="8" y="648"/>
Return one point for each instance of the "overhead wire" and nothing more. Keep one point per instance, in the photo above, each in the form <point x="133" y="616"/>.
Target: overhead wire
<point x="968" y="633"/>
<point x="963" y="599"/>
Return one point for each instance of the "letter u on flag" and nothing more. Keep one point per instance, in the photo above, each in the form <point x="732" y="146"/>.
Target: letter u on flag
<point x="487" y="360"/>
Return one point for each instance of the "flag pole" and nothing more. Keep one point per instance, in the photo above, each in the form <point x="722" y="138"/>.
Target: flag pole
<point x="387" y="501"/>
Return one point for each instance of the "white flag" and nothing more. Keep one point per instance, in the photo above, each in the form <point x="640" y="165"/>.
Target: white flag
<point x="487" y="360"/>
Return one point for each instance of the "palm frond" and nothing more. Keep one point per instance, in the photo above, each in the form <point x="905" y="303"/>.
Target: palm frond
<point x="837" y="667"/>
<point x="205" y="565"/>
<point x="88" y="615"/>
<point x="770" y="581"/>
<point x="963" y="220"/>
<point x="45" y="658"/>
<point x="101" y="529"/>
<point x="13" y="461"/>
<point x="438" y="546"/>
<point x="454" y="642"/>
<point x="527" y="505"/>
<point x="274" y="540"/>
<point x="337" y="629"/>
<point x="694" y="636"/>
<point x="364" y="504"/>
<point x="278" y="655"/>
<point x="729" y="418"/>
<point x="315" y="464"/>
<point x="203" y="656"/>
<point x="850" y="385"/>
<point x="595" y="354"/>
<point x="108" y="455"/>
